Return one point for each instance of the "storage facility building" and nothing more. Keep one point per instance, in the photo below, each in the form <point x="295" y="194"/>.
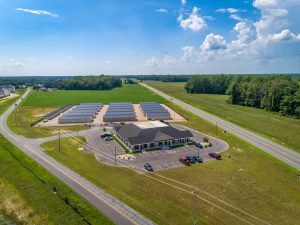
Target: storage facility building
<point x="119" y="112"/>
<point x="83" y="113"/>
<point x="155" y="111"/>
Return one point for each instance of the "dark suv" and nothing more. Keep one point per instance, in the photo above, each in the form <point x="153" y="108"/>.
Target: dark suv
<point x="148" y="167"/>
<point x="215" y="155"/>
<point x="197" y="158"/>
<point x="191" y="158"/>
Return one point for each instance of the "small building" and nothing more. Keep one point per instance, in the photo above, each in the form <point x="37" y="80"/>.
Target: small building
<point x="149" y="135"/>
<point x="10" y="88"/>
<point x="4" y="93"/>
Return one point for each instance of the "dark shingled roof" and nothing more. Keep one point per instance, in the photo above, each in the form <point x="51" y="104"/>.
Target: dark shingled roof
<point x="135" y="135"/>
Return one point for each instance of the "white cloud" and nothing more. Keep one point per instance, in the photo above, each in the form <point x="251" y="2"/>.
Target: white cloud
<point x="233" y="13"/>
<point x="213" y="43"/>
<point x="183" y="2"/>
<point x="162" y="10"/>
<point x="235" y="17"/>
<point x="11" y="63"/>
<point x="37" y="12"/>
<point x="168" y="60"/>
<point x="152" y="62"/>
<point x="243" y="30"/>
<point x="188" y="53"/>
<point x="108" y="62"/>
<point x="286" y="35"/>
<point x="229" y="10"/>
<point x="194" y="22"/>
<point x="265" y="3"/>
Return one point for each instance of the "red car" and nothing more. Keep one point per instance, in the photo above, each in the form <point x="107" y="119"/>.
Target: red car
<point x="185" y="161"/>
<point x="215" y="155"/>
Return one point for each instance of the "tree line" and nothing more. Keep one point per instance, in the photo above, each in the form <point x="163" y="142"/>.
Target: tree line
<point x="86" y="83"/>
<point x="280" y="93"/>
<point x="210" y="84"/>
<point x="163" y="78"/>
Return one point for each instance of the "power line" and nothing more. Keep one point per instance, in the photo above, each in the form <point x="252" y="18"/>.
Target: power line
<point x="131" y="167"/>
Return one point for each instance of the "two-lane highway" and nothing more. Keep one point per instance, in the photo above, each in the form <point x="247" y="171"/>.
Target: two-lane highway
<point x="113" y="208"/>
<point x="284" y="154"/>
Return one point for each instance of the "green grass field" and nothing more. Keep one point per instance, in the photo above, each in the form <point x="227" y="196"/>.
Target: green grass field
<point x="133" y="93"/>
<point x="20" y="123"/>
<point x="248" y="179"/>
<point x="27" y="193"/>
<point x="283" y="130"/>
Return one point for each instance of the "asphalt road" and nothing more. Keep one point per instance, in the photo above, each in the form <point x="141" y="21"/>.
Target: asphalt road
<point x="284" y="154"/>
<point x="113" y="208"/>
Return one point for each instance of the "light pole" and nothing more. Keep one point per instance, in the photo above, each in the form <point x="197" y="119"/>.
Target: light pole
<point x="115" y="156"/>
<point x="194" y="204"/>
<point x="16" y="113"/>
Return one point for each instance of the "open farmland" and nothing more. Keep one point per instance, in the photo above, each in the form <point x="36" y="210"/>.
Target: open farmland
<point x="283" y="130"/>
<point x="243" y="180"/>
<point x="129" y="92"/>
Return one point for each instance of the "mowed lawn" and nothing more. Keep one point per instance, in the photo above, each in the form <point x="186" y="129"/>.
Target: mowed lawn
<point x="21" y="119"/>
<point x="246" y="178"/>
<point x="283" y="130"/>
<point x="128" y="93"/>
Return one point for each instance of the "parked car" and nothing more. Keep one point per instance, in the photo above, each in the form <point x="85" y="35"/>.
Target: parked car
<point x="191" y="158"/>
<point x="108" y="138"/>
<point x="185" y="161"/>
<point x="215" y="155"/>
<point x="148" y="167"/>
<point x="197" y="158"/>
<point x="103" y="135"/>
<point x="198" y="145"/>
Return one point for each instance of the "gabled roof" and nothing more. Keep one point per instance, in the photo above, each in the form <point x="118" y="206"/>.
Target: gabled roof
<point x="136" y="135"/>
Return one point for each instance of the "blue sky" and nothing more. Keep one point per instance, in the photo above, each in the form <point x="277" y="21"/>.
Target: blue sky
<point x="55" y="37"/>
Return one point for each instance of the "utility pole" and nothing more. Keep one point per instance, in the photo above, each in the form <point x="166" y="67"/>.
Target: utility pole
<point x="194" y="204"/>
<point x="16" y="113"/>
<point x="58" y="140"/>
<point x="115" y="156"/>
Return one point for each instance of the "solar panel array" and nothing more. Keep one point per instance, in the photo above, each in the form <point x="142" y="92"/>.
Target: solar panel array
<point x="155" y="111"/>
<point x="119" y="111"/>
<point x="83" y="113"/>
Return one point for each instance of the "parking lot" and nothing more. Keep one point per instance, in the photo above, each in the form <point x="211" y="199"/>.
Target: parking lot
<point x="159" y="159"/>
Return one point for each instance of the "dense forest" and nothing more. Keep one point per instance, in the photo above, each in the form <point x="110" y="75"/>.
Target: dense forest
<point x="273" y="93"/>
<point x="212" y="84"/>
<point x="86" y="83"/>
